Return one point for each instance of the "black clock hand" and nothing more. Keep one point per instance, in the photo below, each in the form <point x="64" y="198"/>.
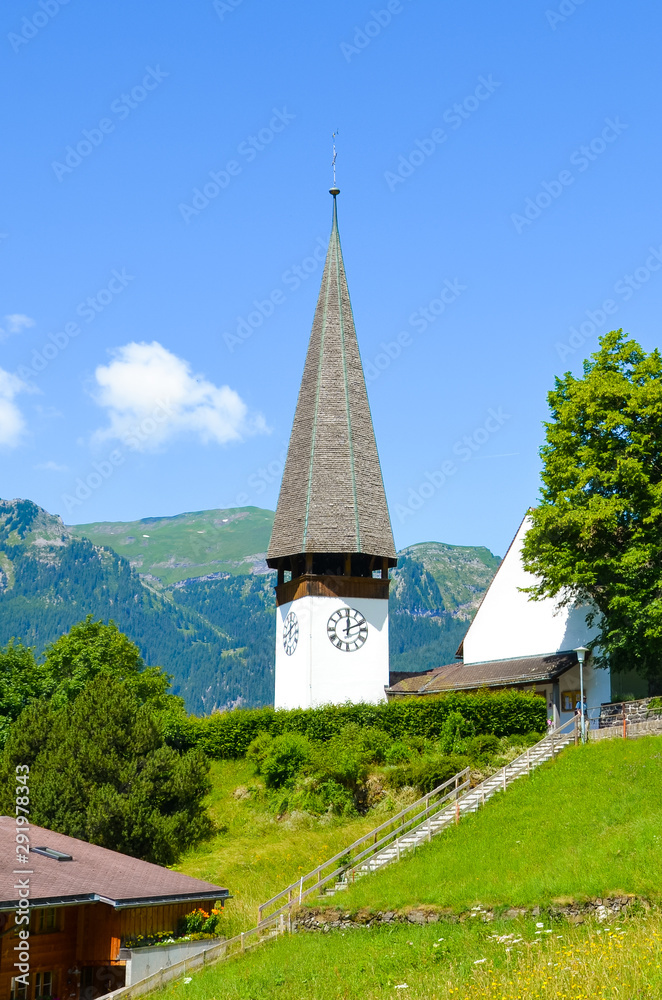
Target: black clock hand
<point x="351" y="628"/>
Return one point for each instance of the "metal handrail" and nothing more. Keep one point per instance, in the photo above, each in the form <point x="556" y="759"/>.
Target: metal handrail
<point x="373" y="849"/>
<point x="424" y="802"/>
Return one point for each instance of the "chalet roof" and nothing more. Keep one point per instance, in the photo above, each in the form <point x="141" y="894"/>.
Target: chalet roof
<point x="94" y="874"/>
<point x="332" y="495"/>
<point x="495" y="673"/>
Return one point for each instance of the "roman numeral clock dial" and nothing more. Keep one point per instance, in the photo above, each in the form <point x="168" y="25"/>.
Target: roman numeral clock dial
<point x="347" y="629"/>
<point x="290" y="633"/>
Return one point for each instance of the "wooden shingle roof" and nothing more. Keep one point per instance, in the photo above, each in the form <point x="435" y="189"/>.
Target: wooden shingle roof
<point x="332" y="495"/>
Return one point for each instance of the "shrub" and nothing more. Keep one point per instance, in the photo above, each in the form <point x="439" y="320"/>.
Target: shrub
<point x="285" y="757"/>
<point x="453" y="730"/>
<point x="482" y="748"/>
<point x="259" y="750"/>
<point x="344" y="763"/>
<point x="429" y="772"/>
<point x="311" y="794"/>
<point x="426" y="773"/>
<point x="397" y="753"/>
<point x="228" y="735"/>
<point x="526" y="740"/>
<point x="373" y="742"/>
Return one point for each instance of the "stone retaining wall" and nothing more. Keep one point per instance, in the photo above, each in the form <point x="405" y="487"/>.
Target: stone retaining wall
<point x="652" y="727"/>
<point x="316" y="919"/>
<point x="635" y="711"/>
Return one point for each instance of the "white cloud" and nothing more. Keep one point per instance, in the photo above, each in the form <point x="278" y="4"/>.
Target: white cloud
<point x="12" y="424"/>
<point x="14" y="323"/>
<point x="151" y="396"/>
<point x="51" y="466"/>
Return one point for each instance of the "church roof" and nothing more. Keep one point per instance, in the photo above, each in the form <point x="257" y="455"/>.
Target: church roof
<point x="473" y="676"/>
<point x="332" y="495"/>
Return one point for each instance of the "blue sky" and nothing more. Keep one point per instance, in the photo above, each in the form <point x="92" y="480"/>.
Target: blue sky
<point x="500" y="175"/>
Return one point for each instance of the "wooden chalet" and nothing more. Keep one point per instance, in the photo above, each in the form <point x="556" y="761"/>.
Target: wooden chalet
<point x="85" y="901"/>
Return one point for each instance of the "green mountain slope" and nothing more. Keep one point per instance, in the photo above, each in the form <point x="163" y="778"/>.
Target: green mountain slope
<point x="448" y="578"/>
<point x="49" y="580"/>
<point x="192" y="545"/>
<point x="436" y="587"/>
<point x="435" y="592"/>
<point x="193" y="591"/>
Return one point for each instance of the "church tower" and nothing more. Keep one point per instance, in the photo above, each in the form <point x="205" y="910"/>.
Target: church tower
<point x="332" y="542"/>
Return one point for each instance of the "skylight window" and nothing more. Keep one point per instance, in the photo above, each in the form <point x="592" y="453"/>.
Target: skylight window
<point x="50" y="852"/>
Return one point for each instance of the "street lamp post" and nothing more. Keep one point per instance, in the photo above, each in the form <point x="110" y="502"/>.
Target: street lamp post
<point x="581" y="652"/>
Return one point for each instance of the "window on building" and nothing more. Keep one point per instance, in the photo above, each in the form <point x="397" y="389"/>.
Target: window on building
<point x="46" y="921"/>
<point x="568" y="700"/>
<point x="18" y="990"/>
<point x="43" y="985"/>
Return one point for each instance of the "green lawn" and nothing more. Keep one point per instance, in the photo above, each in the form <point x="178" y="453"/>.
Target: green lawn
<point x="463" y="962"/>
<point x="589" y="824"/>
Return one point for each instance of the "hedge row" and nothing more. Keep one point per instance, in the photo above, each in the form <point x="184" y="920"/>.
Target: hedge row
<point x="227" y="735"/>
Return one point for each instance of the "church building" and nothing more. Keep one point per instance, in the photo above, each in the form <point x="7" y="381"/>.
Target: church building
<point x="332" y="542"/>
<point x="514" y="642"/>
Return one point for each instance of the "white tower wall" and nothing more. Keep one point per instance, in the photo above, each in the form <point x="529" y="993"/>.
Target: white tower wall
<point x="317" y="673"/>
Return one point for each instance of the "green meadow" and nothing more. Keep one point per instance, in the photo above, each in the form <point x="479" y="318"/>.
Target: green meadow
<point x="587" y="825"/>
<point x="513" y="960"/>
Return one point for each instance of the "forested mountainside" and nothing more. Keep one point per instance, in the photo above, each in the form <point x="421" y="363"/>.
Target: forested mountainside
<point x="435" y="592"/>
<point x="49" y="580"/>
<point x="194" y="593"/>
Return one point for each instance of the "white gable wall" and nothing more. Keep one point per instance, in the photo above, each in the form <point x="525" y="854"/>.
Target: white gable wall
<point x="508" y="625"/>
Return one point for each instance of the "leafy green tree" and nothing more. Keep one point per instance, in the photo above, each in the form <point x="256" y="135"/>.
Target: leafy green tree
<point x="596" y="537"/>
<point x="87" y="650"/>
<point x="22" y="679"/>
<point x="100" y="770"/>
<point x="93" y="647"/>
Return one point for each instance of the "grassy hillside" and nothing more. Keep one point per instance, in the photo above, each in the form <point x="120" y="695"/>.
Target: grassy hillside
<point x="432" y="576"/>
<point x="201" y="543"/>
<point x="255" y="854"/>
<point x="547" y="838"/>
<point x="587" y="825"/>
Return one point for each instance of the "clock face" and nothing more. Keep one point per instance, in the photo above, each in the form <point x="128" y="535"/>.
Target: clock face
<point x="290" y="633"/>
<point x="347" y="629"/>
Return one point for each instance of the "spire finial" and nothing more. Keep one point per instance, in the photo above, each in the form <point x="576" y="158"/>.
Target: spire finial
<point x="335" y="190"/>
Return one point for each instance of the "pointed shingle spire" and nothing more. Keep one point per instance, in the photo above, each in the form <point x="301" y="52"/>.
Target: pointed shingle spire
<point x="332" y="496"/>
